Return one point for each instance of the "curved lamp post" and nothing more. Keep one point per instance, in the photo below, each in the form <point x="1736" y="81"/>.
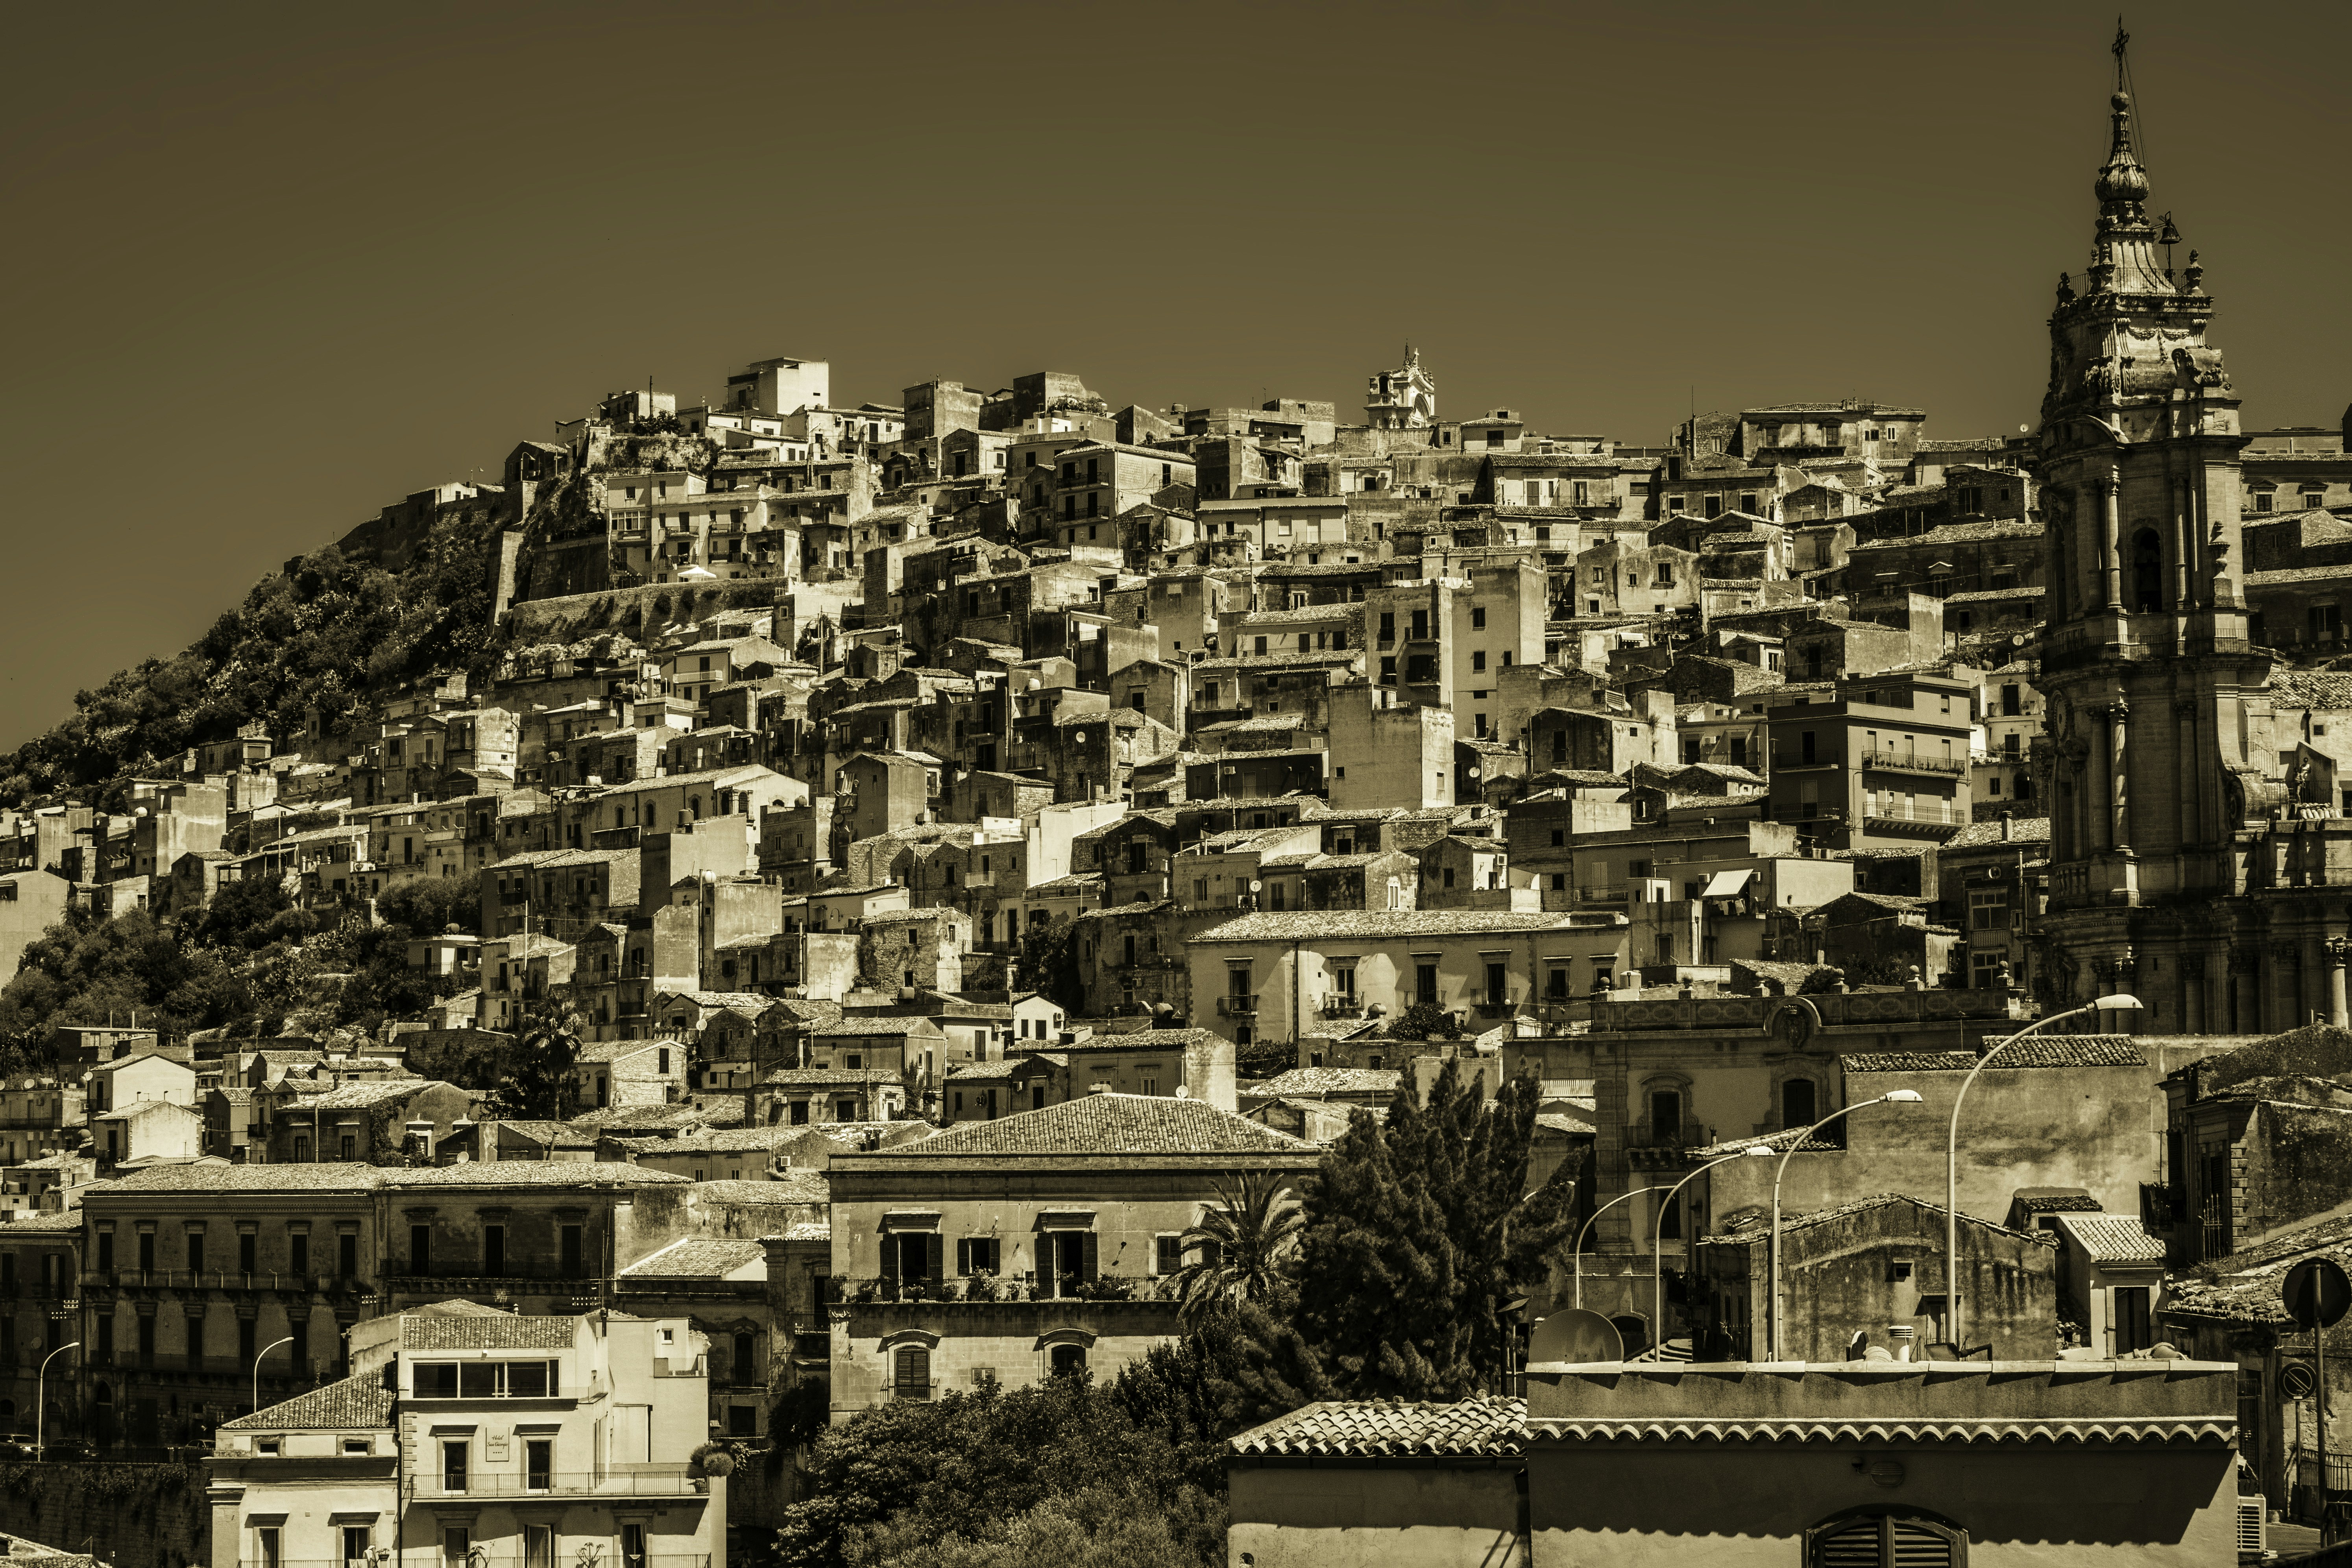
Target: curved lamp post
<point x="1587" y="1226"/>
<point x="40" y="1400"/>
<point x="2119" y="1003"/>
<point x="1658" y="1241"/>
<point x="1772" y="1301"/>
<point x="256" y="1367"/>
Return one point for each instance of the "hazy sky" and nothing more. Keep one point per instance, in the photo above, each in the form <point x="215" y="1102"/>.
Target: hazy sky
<point x="272" y="267"/>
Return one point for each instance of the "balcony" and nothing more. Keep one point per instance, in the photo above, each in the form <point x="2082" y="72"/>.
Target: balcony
<point x="1237" y="1006"/>
<point x="1343" y="1007"/>
<point x="644" y="1480"/>
<point x="1683" y="1135"/>
<point x="215" y="1278"/>
<point x="994" y="1290"/>
<point x="1502" y="1006"/>
<point x="1885" y="761"/>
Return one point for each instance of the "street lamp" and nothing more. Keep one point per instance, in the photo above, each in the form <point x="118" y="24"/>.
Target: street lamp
<point x="256" y="1367"/>
<point x="1658" y="1242"/>
<point x="41" y="1403"/>
<point x="1772" y="1301"/>
<point x="2116" y="1004"/>
<point x="1587" y="1226"/>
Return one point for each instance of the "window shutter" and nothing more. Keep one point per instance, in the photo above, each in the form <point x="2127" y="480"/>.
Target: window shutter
<point x="1086" y="1263"/>
<point x="963" y="1255"/>
<point x="890" y="1258"/>
<point x="932" y="1246"/>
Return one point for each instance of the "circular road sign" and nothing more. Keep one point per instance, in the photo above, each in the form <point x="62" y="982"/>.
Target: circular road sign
<point x="2316" y="1293"/>
<point x="2296" y="1381"/>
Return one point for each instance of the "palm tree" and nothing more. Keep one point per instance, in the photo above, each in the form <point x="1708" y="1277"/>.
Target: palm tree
<point x="538" y="1079"/>
<point x="1240" y="1246"/>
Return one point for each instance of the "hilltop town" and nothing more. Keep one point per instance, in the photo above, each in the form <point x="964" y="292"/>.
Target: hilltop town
<point x="862" y="904"/>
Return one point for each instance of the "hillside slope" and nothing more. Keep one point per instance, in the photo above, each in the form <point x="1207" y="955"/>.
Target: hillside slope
<point x="318" y="637"/>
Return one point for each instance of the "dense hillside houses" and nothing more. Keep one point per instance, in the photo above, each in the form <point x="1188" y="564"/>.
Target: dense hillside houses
<point x="888" y="872"/>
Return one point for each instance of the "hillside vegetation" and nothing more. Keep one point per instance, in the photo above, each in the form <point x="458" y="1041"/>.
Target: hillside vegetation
<point x="318" y="637"/>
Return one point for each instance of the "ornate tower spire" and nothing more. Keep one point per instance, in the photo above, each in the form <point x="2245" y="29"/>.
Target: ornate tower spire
<point x="2152" y="768"/>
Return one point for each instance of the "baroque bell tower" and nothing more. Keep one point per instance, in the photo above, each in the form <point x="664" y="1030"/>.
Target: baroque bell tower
<point x="2155" y="760"/>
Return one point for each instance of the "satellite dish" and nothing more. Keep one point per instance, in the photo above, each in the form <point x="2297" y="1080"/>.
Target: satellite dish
<point x="1574" y="1335"/>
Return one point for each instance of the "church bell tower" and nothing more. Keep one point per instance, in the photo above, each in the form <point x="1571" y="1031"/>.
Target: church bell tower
<point x="2156" y="758"/>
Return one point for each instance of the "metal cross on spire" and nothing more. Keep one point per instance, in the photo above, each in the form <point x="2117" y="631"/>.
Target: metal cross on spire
<point x="2122" y="43"/>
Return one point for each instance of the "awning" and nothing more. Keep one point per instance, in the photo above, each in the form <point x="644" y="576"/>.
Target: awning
<point x="1727" y="884"/>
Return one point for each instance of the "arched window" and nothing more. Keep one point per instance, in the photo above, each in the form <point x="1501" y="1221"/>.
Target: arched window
<point x="1881" y="1538"/>
<point x="2146" y="571"/>
<point x="911" y="1373"/>
<point x="1069" y="1360"/>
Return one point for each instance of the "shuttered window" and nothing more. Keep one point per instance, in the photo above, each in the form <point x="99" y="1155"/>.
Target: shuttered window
<point x="1886" y="1540"/>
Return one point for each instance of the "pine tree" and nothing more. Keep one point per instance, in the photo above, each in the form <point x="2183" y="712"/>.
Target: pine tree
<point x="1419" y="1233"/>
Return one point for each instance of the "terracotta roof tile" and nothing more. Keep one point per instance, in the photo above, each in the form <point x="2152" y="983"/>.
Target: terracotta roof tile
<point x="361" y="1400"/>
<point x="1369" y="1429"/>
<point x="1110" y="1124"/>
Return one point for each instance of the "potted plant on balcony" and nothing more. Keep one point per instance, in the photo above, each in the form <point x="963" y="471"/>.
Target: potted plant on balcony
<point x="713" y="1459"/>
<point x="981" y="1287"/>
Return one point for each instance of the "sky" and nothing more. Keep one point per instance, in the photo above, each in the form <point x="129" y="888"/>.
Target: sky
<point x="274" y="267"/>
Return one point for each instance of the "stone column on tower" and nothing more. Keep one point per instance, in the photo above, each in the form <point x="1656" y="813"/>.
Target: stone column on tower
<point x="2118" y="778"/>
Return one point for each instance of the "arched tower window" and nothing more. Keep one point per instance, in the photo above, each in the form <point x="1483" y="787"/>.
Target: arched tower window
<point x="2146" y="571"/>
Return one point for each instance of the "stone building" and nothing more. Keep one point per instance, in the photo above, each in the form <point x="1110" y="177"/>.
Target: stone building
<point x="1036" y="1244"/>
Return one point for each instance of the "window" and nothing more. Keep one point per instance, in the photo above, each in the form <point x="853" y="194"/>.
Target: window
<point x="1424" y="983"/>
<point x="910" y="1373"/>
<point x="346" y="1253"/>
<point x="1666" y="1116"/>
<point x="420" y="1249"/>
<point x="1879" y="1540"/>
<point x="538" y="1465"/>
<point x="539" y="1546"/>
<point x="979" y="1255"/>
<point x="494" y="1250"/>
<point x="485" y="1380"/>
<point x="453" y="1467"/>
<point x="570" y="1241"/>
<point x="1168" y="1254"/>
<point x="1069" y="1360"/>
<point x="1799" y="1102"/>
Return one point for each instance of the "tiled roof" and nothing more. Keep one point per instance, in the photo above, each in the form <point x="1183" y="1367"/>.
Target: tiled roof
<point x="498" y="1331"/>
<point x="1109" y="1124"/>
<point x="2041" y="1051"/>
<point x="1752" y="1226"/>
<point x="1369" y="1429"/>
<point x="873" y="1023"/>
<point x="697" y="1257"/>
<point x="1137" y="1040"/>
<point x="1900" y="1433"/>
<point x="225" y="1178"/>
<point x="1980" y="834"/>
<point x="1377" y="924"/>
<point x="823" y="1077"/>
<point x="1308" y="1082"/>
<point x="361" y="1400"/>
<point x="2319" y="689"/>
<point x="360" y="1096"/>
<point x="2111" y="1238"/>
<point x="583" y="1174"/>
<point x="792" y="1187"/>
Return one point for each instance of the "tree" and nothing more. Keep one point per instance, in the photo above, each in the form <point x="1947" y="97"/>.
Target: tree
<point x="908" y="1472"/>
<point x="1049" y="963"/>
<point x="1424" y="1021"/>
<point x="1418" y="1233"/>
<point x="537" y="1081"/>
<point x="1241" y="1246"/>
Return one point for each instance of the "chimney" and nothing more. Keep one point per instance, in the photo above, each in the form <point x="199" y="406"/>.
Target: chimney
<point x="2006" y="827"/>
